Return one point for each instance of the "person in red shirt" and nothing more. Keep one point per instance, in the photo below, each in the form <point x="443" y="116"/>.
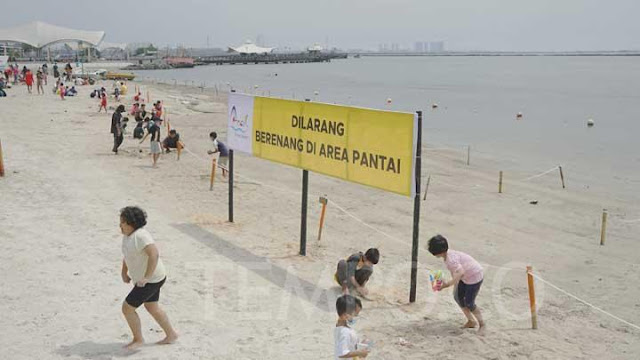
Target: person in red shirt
<point x="158" y="109"/>
<point x="28" y="79"/>
<point x="62" y="90"/>
<point x="103" y="102"/>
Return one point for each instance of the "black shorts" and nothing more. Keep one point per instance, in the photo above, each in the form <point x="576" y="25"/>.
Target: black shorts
<point x="465" y="294"/>
<point x="149" y="293"/>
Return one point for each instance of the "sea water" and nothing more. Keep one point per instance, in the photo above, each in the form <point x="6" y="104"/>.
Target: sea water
<point x="477" y="100"/>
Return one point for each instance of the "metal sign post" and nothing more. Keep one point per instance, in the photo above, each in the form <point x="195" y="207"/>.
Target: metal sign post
<point x="416" y="214"/>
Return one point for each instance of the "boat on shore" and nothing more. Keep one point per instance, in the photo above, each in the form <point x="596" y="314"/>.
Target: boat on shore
<point x="112" y="75"/>
<point x="180" y="62"/>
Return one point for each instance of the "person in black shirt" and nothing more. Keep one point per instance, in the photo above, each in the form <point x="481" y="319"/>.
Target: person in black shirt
<point x="141" y="113"/>
<point x="116" y="128"/>
<point x="354" y="272"/>
<point x="220" y="147"/>
<point x="138" y="131"/>
<point x="171" y="141"/>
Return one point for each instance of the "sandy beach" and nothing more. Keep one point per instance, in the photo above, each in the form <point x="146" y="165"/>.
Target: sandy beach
<point x="241" y="291"/>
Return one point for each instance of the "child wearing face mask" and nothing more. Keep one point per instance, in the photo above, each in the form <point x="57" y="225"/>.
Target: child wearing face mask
<point x="346" y="338"/>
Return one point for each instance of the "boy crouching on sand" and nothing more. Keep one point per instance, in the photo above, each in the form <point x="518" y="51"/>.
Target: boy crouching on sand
<point x="346" y="338"/>
<point x="354" y="273"/>
<point x="467" y="276"/>
<point x="142" y="264"/>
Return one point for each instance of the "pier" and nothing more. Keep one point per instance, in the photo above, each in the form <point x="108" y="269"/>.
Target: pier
<point x="269" y="59"/>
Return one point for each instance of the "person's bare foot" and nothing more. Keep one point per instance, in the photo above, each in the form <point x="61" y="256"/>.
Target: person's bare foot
<point x="134" y="344"/>
<point x="170" y="339"/>
<point x="469" y="325"/>
<point x="482" y="329"/>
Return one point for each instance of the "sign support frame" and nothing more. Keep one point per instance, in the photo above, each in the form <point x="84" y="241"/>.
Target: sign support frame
<point x="303" y="218"/>
<point x="416" y="213"/>
<point x="230" y="185"/>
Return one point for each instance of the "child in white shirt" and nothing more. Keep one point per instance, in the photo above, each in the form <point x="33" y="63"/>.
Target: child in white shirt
<point x="346" y="338"/>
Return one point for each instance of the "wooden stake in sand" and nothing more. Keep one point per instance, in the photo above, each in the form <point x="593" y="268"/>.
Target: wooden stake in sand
<point x="532" y="298"/>
<point x="603" y="229"/>
<point x="561" y="176"/>
<point x="179" y="147"/>
<point x="323" y="201"/>
<point x="1" y="161"/>
<point x="468" y="155"/>
<point x="148" y="97"/>
<point x="426" y="188"/>
<point x="500" y="184"/>
<point x="214" y="165"/>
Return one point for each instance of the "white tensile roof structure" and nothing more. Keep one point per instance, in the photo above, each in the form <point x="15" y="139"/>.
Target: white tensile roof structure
<point x="39" y="35"/>
<point x="315" y="48"/>
<point x="250" y="48"/>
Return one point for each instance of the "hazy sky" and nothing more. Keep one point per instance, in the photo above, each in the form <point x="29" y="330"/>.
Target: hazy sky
<point x="462" y="24"/>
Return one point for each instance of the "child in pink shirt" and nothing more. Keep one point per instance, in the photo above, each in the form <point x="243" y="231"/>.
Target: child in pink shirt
<point x="467" y="276"/>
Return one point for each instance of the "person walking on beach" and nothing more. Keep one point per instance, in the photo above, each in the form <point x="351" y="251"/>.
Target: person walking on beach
<point x="154" y="131"/>
<point x="68" y="70"/>
<point x="142" y="265"/>
<point x="220" y="147"/>
<point x="103" y="102"/>
<point x="117" y="129"/>
<point x="56" y="71"/>
<point x="45" y="72"/>
<point x="467" y="276"/>
<point x="28" y="79"/>
<point x="16" y="72"/>
<point x="39" y="78"/>
<point x="62" y="90"/>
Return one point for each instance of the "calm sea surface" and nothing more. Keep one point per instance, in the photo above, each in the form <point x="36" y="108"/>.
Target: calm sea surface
<point x="478" y="99"/>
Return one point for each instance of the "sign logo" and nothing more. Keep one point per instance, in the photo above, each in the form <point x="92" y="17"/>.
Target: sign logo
<point x="239" y="125"/>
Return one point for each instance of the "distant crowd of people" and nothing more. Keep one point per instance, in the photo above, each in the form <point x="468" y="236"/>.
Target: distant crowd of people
<point x="13" y="75"/>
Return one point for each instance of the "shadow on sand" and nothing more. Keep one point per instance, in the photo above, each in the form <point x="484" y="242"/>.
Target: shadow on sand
<point x="96" y="351"/>
<point x="322" y="299"/>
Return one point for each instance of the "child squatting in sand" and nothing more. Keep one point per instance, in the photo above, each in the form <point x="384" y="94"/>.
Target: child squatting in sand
<point x="467" y="276"/>
<point x="143" y="265"/>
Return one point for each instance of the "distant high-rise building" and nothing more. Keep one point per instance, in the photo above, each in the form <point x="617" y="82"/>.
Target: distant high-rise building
<point x="260" y="40"/>
<point x="418" y="47"/>
<point x="395" y="47"/>
<point x="436" y="46"/>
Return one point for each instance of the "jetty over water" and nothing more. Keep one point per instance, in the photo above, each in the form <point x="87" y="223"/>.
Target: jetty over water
<point x="246" y="59"/>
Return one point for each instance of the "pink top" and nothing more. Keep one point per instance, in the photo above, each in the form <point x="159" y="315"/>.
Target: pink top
<point x="456" y="261"/>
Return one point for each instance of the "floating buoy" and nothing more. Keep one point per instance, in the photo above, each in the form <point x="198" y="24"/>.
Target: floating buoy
<point x="590" y="123"/>
<point x="434" y="106"/>
<point x="519" y="115"/>
<point x="388" y="101"/>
